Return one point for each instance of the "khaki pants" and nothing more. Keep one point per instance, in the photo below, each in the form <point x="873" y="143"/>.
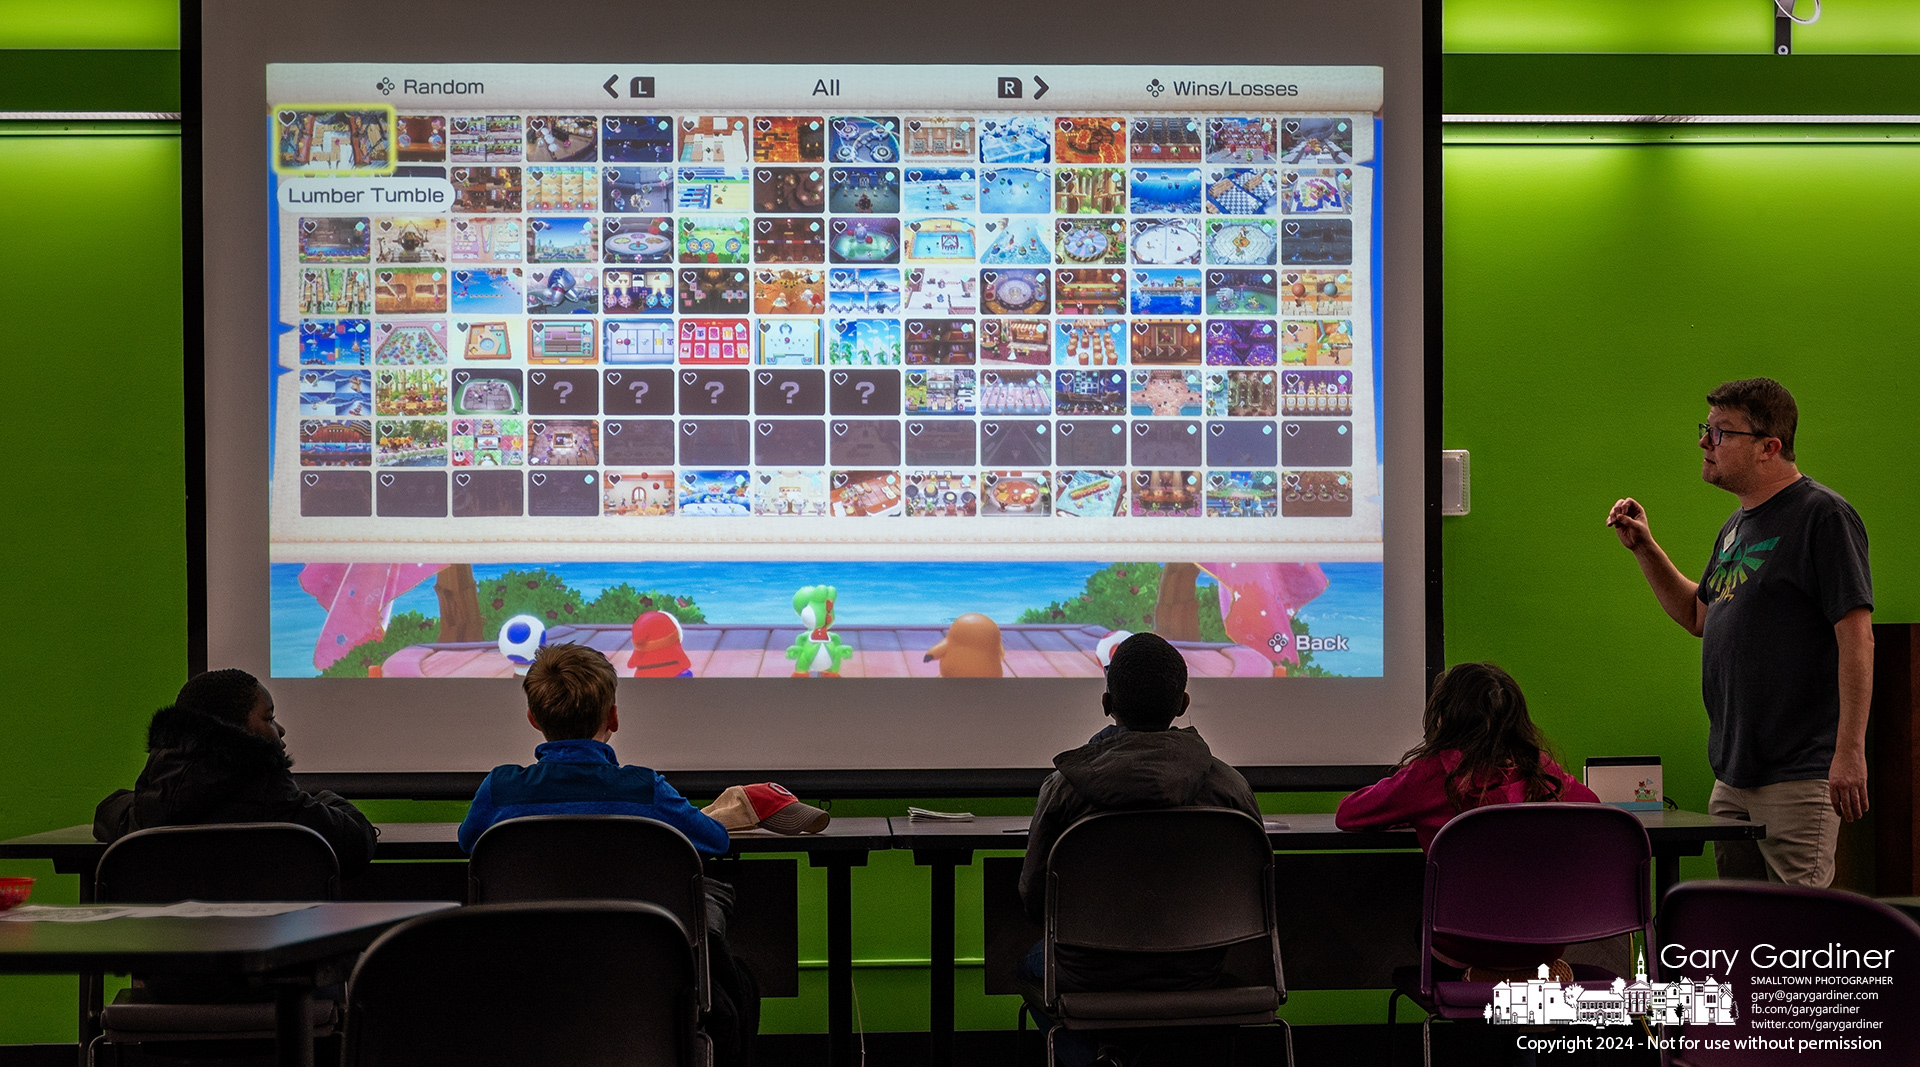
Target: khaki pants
<point x="1802" y="832"/>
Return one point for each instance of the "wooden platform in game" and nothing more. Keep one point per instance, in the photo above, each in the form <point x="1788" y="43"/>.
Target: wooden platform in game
<point x="1031" y="651"/>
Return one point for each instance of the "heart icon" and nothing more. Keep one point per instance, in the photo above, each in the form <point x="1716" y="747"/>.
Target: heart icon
<point x="538" y="428"/>
<point x="461" y="376"/>
<point x="386" y="479"/>
<point x="1141" y="327"/>
<point x="1066" y="277"/>
<point x="990" y="429"/>
<point x="1139" y="429"/>
<point x="613" y="479"/>
<point x="766" y="225"/>
<point x="688" y="125"/>
<point x="613" y="377"/>
<point x="1216" y="277"/>
<point x="839" y="429"/>
<point x="766" y="428"/>
<point x="538" y="377"/>
<point x="1293" y="126"/>
<point x="763" y="125"/>
<point x="613" y="225"/>
<point x="1292" y="380"/>
<point x="538" y="478"/>
<point x="1217" y="480"/>
<point x="1293" y="429"/>
<point x="839" y="225"/>
<point x="462" y="479"/>
<point x="765" y="377"/>
<point x="386" y="225"/>
<point x="311" y="479"/>
<point x="1293" y="229"/>
<point x="914" y="428"/>
<point x="839" y="480"/>
<point x="613" y="428"/>
<point x="989" y="276"/>
<point x="1217" y="428"/>
<point x="1066" y="429"/>
<point x="688" y="428"/>
<point x="1066" y="125"/>
<point x="839" y="377"/>
<point x="689" y="377"/>
<point x="309" y="225"/>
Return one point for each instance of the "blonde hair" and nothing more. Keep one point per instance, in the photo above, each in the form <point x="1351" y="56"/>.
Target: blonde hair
<point x="569" y="691"/>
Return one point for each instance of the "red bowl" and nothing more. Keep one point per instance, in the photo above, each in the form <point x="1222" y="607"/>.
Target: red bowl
<point x="14" y="891"/>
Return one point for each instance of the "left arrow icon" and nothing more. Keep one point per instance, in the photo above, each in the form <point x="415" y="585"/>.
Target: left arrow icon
<point x="611" y="78"/>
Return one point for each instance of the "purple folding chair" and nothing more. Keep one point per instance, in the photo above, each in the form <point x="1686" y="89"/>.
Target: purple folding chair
<point x="1532" y="874"/>
<point x="1759" y="929"/>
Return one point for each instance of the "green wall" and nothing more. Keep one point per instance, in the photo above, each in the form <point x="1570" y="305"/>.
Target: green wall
<point x="94" y="527"/>
<point x="1593" y="294"/>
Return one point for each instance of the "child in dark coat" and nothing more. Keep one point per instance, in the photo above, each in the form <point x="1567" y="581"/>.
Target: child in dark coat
<point x="216" y="755"/>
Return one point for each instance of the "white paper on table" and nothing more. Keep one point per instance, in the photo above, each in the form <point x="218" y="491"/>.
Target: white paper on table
<point x="54" y="913"/>
<point x="186" y="909"/>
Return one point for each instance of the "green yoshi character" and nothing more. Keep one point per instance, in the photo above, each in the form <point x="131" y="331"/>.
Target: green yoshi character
<point x="816" y="649"/>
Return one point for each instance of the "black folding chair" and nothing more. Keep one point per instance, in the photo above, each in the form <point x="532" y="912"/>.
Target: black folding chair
<point x="217" y="862"/>
<point x="584" y="983"/>
<point x="1166" y="881"/>
<point x="594" y="857"/>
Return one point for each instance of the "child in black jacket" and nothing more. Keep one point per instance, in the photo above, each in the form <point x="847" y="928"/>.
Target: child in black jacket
<point x="216" y="755"/>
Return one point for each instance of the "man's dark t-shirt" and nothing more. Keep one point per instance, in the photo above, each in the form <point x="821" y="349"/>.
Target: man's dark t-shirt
<point x="1781" y="576"/>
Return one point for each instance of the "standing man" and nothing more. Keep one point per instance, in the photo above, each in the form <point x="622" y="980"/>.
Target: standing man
<point x="1785" y="608"/>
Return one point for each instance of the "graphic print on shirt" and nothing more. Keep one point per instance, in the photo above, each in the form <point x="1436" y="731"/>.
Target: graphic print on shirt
<point x="1735" y="563"/>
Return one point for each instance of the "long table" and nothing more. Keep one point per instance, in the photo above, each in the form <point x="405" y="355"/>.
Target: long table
<point x="1372" y="871"/>
<point x="411" y="864"/>
<point x="294" y="951"/>
<point x="1333" y="907"/>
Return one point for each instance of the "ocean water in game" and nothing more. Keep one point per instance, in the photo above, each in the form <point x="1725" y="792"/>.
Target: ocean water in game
<point x="870" y="593"/>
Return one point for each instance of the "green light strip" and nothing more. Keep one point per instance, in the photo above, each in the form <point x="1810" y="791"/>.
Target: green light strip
<point x="1661" y="133"/>
<point x="904" y="963"/>
<point x="11" y="127"/>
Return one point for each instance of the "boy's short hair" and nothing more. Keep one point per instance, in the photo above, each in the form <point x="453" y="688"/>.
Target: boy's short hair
<point x="1146" y="680"/>
<point x="569" y="691"/>
<point x="227" y="695"/>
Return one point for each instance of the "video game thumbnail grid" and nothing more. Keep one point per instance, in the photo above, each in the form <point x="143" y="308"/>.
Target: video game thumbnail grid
<point x="980" y="316"/>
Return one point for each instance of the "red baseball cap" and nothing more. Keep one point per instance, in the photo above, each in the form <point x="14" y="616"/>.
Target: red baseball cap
<point x="783" y="813"/>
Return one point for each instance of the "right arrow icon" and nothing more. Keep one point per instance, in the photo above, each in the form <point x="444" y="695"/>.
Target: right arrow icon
<point x="1042" y="90"/>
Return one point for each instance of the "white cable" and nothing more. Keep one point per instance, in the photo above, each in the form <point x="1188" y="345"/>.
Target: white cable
<point x="859" y="1024"/>
<point x="1785" y="7"/>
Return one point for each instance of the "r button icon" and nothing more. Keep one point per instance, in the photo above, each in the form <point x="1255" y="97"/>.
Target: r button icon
<point x="1012" y="89"/>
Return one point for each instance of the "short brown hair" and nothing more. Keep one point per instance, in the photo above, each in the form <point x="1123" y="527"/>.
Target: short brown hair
<point x="569" y="691"/>
<point x="1766" y="404"/>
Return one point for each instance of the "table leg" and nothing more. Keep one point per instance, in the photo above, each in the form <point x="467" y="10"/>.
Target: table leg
<point x="841" y="1050"/>
<point x="92" y="986"/>
<point x="293" y="1025"/>
<point x="940" y="952"/>
<point x="1666" y="871"/>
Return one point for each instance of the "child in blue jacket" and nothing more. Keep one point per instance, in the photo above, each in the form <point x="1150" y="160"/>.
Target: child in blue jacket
<point x="570" y="690"/>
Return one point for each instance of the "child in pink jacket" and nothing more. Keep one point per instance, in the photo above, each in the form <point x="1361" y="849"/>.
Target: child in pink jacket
<point x="1480" y="748"/>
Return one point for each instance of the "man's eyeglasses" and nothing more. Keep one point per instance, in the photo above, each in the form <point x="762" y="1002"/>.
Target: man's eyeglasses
<point x="1713" y="434"/>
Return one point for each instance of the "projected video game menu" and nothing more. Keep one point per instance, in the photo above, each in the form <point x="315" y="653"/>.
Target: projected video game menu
<point x="534" y="321"/>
